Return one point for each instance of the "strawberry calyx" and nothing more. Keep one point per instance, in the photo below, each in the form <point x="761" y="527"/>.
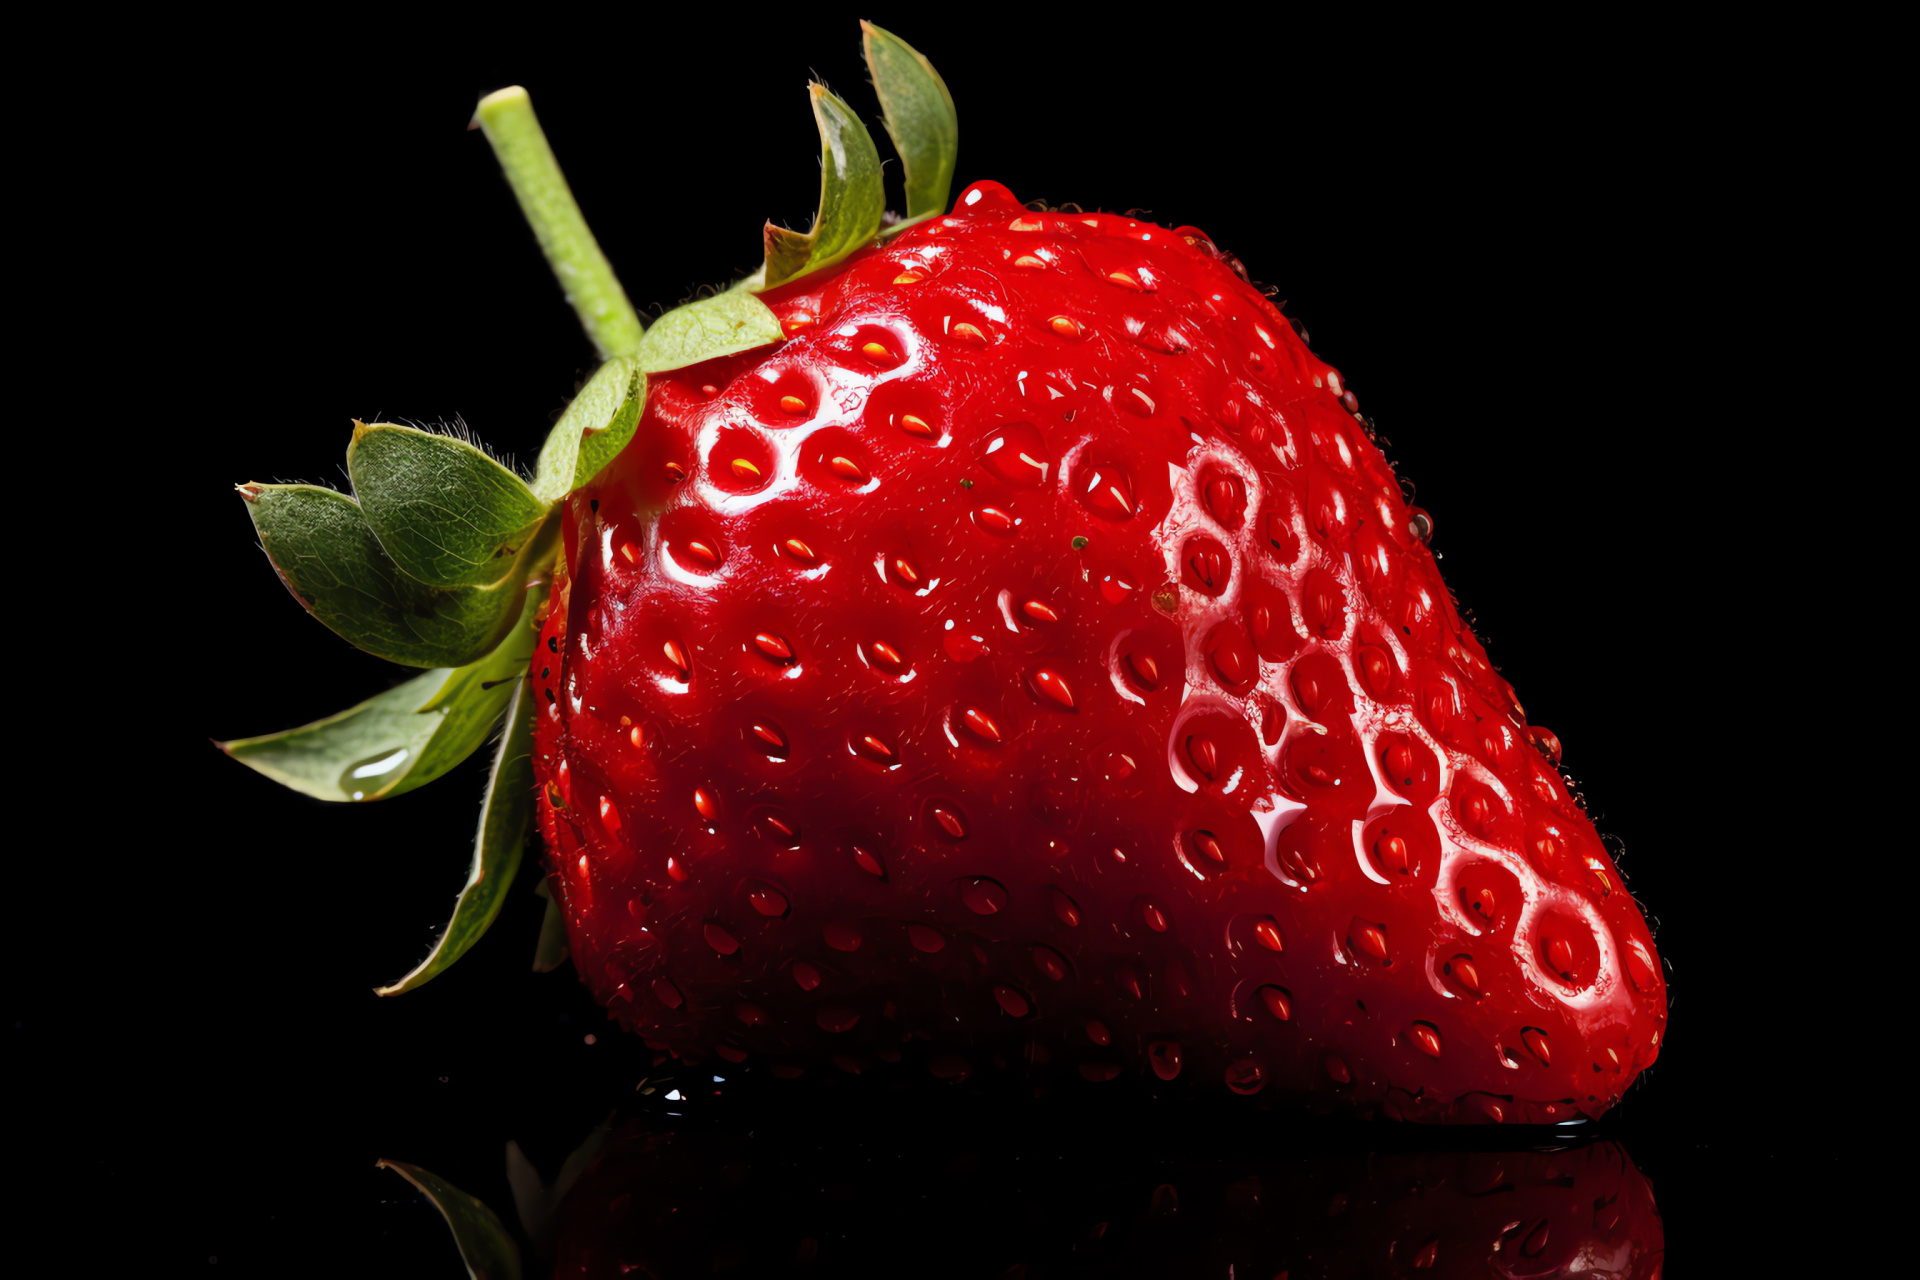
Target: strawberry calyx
<point x="442" y="558"/>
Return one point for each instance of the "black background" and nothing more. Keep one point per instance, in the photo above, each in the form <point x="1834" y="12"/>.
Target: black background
<point x="1535" y="266"/>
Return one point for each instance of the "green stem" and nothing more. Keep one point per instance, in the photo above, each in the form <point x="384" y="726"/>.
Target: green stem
<point x="583" y="271"/>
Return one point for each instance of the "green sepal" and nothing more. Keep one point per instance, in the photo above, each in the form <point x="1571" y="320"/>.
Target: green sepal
<point x="919" y="116"/>
<point x="485" y="1246"/>
<point x="551" y="951"/>
<point x="851" y="198"/>
<point x="402" y="739"/>
<point x="592" y="431"/>
<point x="447" y="514"/>
<point x="325" y="551"/>
<point x="497" y="846"/>
<point x="722" y="325"/>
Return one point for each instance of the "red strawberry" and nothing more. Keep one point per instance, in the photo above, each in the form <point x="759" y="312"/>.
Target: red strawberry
<point x="1035" y="647"/>
<point x="999" y="634"/>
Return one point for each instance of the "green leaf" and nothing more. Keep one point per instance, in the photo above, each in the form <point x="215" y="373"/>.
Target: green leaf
<point x="593" y="430"/>
<point x="496" y="847"/>
<point x="851" y="197"/>
<point x="536" y="1201"/>
<point x="325" y="551"/>
<point x="445" y="512"/>
<point x="405" y="737"/>
<point x="551" y="951"/>
<point x="723" y="325"/>
<point x="919" y="115"/>
<point x="485" y="1246"/>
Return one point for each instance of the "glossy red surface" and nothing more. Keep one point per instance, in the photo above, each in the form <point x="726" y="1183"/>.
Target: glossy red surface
<point x="695" y="1203"/>
<point x="1037" y="640"/>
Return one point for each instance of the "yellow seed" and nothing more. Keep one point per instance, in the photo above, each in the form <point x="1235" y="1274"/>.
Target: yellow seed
<point x="1026" y="224"/>
<point x="1028" y="262"/>
<point x="1124" y="280"/>
<point x="908" y="277"/>
<point x="968" y="333"/>
<point x="745" y="470"/>
<point x="876" y="353"/>
<point x="917" y="425"/>
<point x="1065" y="326"/>
<point x="793" y="404"/>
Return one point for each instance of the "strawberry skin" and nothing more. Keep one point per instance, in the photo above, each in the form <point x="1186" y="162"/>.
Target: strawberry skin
<point x="1034" y="654"/>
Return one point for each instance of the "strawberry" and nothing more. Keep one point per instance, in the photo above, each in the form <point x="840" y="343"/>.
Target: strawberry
<point x="995" y="634"/>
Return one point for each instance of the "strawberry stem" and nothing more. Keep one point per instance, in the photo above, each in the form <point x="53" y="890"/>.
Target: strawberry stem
<point x="519" y="143"/>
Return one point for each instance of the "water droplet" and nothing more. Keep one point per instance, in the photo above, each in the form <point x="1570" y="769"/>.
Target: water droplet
<point x="1546" y="739"/>
<point x="773" y="646"/>
<point x="668" y="994"/>
<point x="835" y="1021"/>
<point x="1052" y="686"/>
<point x="1278" y="1001"/>
<point x="925" y="939"/>
<point x="806" y="975"/>
<point x="1011" y="1001"/>
<point x="1066" y="909"/>
<point x="983" y="897"/>
<point x="1204" y="756"/>
<point x="1640" y="968"/>
<point x="1266" y="931"/>
<point x="1049" y="962"/>
<point x="841" y="937"/>
<point x="704" y="801"/>
<point x="1425" y="1038"/>
<point x="869" y="862"/>
<point x="1463" y="971"/>
<point x="1130" y="983"/>
<point x="1164" y="1057"/>
<point x="1536" y="1041"/>
<point x="770" y="736"/>
<point x="1420" y="525"/>
<point x="677" y="869"/>
<point x="1560" y="957"/>
<point x="994" y="520"/>
<point x="1367" y="937"/>
<point x="981" y="723"/>
<point x="949" y="821"/>
<point x="1376" y="670"/>
<point x="1208" y="566"/>
<point x="1115" y="587"/>
<point x="795" y="321"/>
<point x="720" y="940"/>
<point x="767" y="900"/>
<point x="871" y="748"/>
<point x="1098" y="1033"/>
<point x="678" y="657"/>
<point x="1246" y="1077"/>
<point x="1106" y="490"/>
<point x="1016" y="454"/>
<point x="1208" y="846"/>
<point x="1143" y="672"/>
<point x="1392" y="854"/>
<point x="1234" y="663"/>
<point x="1155" y="918"/>
<point x="1337" y="1069"/>
<point x="1226" y="500"/>
<point x="1482" y="901"/>
<point x="886" y="655"/>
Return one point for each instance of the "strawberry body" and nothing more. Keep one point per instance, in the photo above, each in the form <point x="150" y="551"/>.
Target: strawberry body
<point x="1033" y="654"/>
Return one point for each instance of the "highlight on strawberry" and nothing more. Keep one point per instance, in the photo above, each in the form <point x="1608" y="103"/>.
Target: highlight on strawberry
<point x="982" y="639"/>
